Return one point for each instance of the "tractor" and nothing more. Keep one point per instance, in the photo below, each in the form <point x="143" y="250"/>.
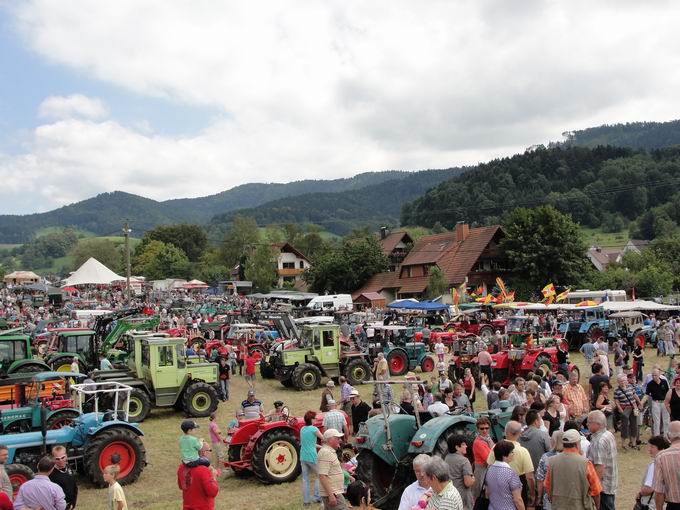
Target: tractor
<point x="630" y="326"/>
<point x="15" y="354"/>
<point x="268" y="448"/>
<point x="477" y="321"/>
<point x="389" y="442"/>
<point x="94" y="440"/>
<point x="319" y="353"/>
<point x="161" y="375"/>
<point x="401" y="352"/>
<point x="591" y="325"/>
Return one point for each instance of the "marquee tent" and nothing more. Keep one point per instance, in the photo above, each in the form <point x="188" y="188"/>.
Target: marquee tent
<point x="92" y="272"/>
<point x="407" y="304"/>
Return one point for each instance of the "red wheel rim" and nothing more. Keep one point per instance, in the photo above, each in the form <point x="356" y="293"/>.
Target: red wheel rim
<point x="428" y="365"/>
<point x="60" y="423"/>
<point x="124" y="451"/>
<point x="598" y="334"/>
<point x="17" y="480"/>
<point x="397" y="363"/>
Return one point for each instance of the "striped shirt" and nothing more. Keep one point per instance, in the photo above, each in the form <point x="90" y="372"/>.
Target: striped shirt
<point x="334" y="420"/>
<point x="447" y="499"/>
<point x="667" y="474"/>
<point x="329" y="465"/>
<point x="603" y="452"/>
<point x="625" y="397"/>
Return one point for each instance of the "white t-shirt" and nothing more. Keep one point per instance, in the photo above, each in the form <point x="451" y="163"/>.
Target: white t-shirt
<point x="438" y="409"/>
<point x="411" y="495"/>
<point x="439" y="348"/>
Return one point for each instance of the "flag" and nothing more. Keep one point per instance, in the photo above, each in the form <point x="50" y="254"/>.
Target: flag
<point x="499" y="298"/>
<point x="548" y="290"/>
<point x="510" y="297"/>
<point x="562" y="296"/>
<point x="455" y="297"/>
<point x="484" y="291"/>
<point x="501" y="285"/>
<point x="488" y="299"/>
<point x="633" y="293"/>
<point x="478" y="291"/>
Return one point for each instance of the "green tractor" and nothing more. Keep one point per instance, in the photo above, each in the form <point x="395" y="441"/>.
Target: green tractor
<point x="15" y="354"/>
<point x="401" y="351"/>
<point x="161" y="375"/>
<point x="318" y="354"/>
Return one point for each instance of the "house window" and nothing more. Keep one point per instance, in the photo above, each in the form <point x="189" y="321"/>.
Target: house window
<point x="426" y="270"/>
<point x="302" y="264"/>
<point x="408" y="272"/>
<point x="289" y="265"/>
<point x="289" y="279"/>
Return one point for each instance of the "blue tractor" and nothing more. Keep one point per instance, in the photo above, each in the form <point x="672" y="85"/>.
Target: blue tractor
<point x="93" y="440"/>
<point x="590" y="324"/>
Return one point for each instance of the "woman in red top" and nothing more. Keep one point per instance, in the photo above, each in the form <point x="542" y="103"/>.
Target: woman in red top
<point x="469" y="386"/>
<point x="481" y="447"/>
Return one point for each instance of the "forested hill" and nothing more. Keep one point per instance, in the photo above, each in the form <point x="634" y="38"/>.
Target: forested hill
<point x="634" y="135"/>
<point x="604" y="187"/>
<point x="339" y="213"/>
<point x="105" y="213"/>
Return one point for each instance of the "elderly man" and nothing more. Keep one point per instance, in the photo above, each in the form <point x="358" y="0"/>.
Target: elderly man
<point x="334" y="419"/>
<point x="326" y="395"/>
<point x="331" y="479"/>
<point x="252" y="408"/>
<point x="575" y="398"/>
<point x="656" y="390"/>
<point x="521" y="462"/>
<point x="519" y="396"/>
<point x="667" y="472"/>
<point x="571" y="481"/>
<point x="603" y="454"/>
<point x="382" y="370"/>
<point x="360" y="410"/>
<point x="415" y="491"/>
<point x="444" y="494"/>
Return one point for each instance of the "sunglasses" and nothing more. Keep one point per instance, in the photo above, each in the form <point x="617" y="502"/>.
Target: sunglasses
<point x="483" y="428"/>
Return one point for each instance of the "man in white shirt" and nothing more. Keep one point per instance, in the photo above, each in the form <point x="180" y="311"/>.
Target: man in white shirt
<point x="439" y="407"/>
<point x="415" y="491"/>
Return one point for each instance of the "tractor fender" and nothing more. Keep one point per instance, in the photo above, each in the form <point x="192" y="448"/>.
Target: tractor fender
<point x="266" y="429"/>
<point x="119" y="425"/>
<point x="425" y="439"/>
<point x="402" y="428"/>
<point x="245" y="430"/>
<point x="63" y="355"/>
<point x="18" y="365"/>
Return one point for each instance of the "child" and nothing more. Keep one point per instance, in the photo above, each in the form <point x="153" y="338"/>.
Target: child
<point x="215" y="437"/>
<point x="116" y="494"/>
<point x="190" y="445"/>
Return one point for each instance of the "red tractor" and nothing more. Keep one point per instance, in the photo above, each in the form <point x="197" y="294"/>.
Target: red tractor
<point x="268" y="448"/>
<point x="477" y="321"/>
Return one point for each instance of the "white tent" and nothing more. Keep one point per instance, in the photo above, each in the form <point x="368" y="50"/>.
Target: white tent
<point x="92" y="272"/>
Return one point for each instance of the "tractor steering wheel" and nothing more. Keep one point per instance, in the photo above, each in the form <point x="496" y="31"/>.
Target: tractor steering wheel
<point x="285" y="413"/>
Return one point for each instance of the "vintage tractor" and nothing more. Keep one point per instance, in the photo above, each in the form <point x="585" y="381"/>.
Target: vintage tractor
<point x="268" y="448"/>
<point x="318" y="354"/>
<point x="477" y="321"/>
<point x="15" y="354"/>
<point x="630" y="326"/>
<point x="401" y="352"/>
<point x="389" y="442"/>
<point x="591" y="324"/>
<point x="161" y="375"/>
<point x="94" y="440"/>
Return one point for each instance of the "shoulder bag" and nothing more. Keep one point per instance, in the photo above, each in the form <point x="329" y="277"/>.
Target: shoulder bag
<point x="639" y="505"/>
<point x="482" y="502"/>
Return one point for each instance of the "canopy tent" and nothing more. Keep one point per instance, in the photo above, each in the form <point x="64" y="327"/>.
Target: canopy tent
<point x="92" y="272"/>
<point x="640" y="304"/>
<point x="408" y="304"/>
<point x="195" y="284"/>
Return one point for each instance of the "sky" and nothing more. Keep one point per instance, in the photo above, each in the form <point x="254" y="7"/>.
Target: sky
<point x="170" y="99"/>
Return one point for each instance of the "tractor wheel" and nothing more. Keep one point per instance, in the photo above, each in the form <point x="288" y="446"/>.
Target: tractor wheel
<point x="276" y="457"/>
<point x="30" y="368"/>
<point x="266" y="370"/>
<point x="486" y="333"/>
<point x="427" y="364"/>
<point x="115" y="446"/>
<point x="234" y="455"/>
<point x="358" y="371"/>
<point x="543" y="362"/>
<point x="306" y="377"/>
<point x="595" y="333"/>
<point x="62" y="419"/>
<point x="200" y="399"/>
<point x="288" y="383"/>
<point x="574" y="368"/>
<point x="500" y="375"/>
<point x="64" y="365"/>
<point x="18" y="475"/>
<point x="257" y="352"/>
<point x="140" y="406"/>
<point x="397" y="360"/>
<point x="197" y="340"/>
<point x="441" y="448"/>
<point x="376" y="474"/>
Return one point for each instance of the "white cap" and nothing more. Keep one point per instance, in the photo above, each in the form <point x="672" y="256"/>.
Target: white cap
<point x="332" y="433"/>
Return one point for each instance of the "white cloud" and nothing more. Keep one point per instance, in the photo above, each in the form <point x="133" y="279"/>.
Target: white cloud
<point x="75" y="105"/>
<point x="307" y="89"/>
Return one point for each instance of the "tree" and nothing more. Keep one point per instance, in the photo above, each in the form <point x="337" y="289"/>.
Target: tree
<point x="261" y="268"/>
<point x="238" y="240"/>
<point x="191" y="239"/>
<point x="210" y="268"/>
<point x="347" y="267"/>
<point x="437" y="284"/>
<point x="543" y="245"/>
<point x="104" y="250"/>
<point x="159" y="260"/>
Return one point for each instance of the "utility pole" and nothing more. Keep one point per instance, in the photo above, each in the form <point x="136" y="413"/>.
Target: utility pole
<point x="126" y="233"/>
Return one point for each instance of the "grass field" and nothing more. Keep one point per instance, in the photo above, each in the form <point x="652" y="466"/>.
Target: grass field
<point x="157" y="488"/>
<point x="595" y="236"/>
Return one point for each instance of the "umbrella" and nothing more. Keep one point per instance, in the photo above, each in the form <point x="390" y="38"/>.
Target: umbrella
<point x="587" y="302"/>
<point x="69" y="289"/>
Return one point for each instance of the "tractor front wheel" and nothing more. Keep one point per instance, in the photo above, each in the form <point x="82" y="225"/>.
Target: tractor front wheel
<point x="427" y="364"/>
<point x="115" y="446"/>
<point x="18" y="475"/>
<point x="306" y="377"/>
<point x="200" y="399"/>
<point x="61" y="419"/>
<point x="397" y="360"/>
<point x="376" y="474"/>
<point x="276" y="457"/>
<point x="140" y="406"/>
<point x="543" y="362"/>
<point x="358" y="371"/>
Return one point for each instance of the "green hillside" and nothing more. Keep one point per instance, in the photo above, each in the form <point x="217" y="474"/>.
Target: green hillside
<point x="633" y="135"/>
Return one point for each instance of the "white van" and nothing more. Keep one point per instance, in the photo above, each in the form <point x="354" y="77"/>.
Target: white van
<point x="333" y="302"/>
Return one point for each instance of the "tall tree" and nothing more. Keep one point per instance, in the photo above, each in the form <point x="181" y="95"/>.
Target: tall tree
<point x="239" y="240"/>
<point x="104" y="250"/>
<point x="159" y="260"/>
<point x="261" y="268"/>
<point x="191" y="239"/>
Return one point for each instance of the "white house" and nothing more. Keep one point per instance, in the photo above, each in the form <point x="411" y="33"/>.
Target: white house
<point x="290" y="264"/>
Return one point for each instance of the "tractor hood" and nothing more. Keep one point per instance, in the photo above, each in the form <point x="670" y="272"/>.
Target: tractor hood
<point x="35" y="439"/>
<point x="372" y="436"/>
<point x="427" y="436"/>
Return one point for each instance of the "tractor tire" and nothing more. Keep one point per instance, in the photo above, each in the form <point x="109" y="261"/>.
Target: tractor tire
<point x="266" y="370"/>
<point x="441" y="448"/>
<point x="18" y="474"/>
<point x="306" y="377"/>
<point x="595" y="333"/>
<point x="397" y="360"/>
<point x="29" y="368"/>
<point x="543" y="362"/>
<point x="485" y="333"/>
<point x="233" y="455"/>
<point x="358" y="371"/>
<point x="377" y="475"/>
<point x="61" y="419"/>
<point x="258" y="352"/>
<point x="200" y="399"/>
<point x="427" y="364"/>
<point x="64" y="365"/>
<point x="276" y="457"/>
<point x="115" y="446"/>
<point x="140" y="406"/>
<point x="500" y="375"/>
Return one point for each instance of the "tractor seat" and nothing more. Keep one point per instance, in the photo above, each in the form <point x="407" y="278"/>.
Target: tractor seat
<point x="112" y="415"/>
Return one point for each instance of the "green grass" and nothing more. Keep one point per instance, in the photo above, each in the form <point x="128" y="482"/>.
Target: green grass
<point x="595" y="236"/>
<point x="51" y="230"/>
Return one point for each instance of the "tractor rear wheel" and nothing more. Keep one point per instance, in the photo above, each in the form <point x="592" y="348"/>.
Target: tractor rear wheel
<point x="276" y="457"/>
<point x="376" y="474"/>
<point x="200" y="399"/>
<point x="441" y="447"/>
<point x="61" y="419"/>
<point x="397" y="360"/>
<point x="486" y="333"/>
<point x="30" y="368"/>
<point x="306" y="377"/>
<point x="140" y="406"/>
<point x="258" y="352"/>
<point x="115" y="446"/>
<point x="18" y="475"/>
<point x="543" y="362"/>
<point x="427" y="364"/>
<point x="234" y="455"/>
<point x="595" y="333"/>
<point x="358" y="371"/>
<point x="500" y="375"/>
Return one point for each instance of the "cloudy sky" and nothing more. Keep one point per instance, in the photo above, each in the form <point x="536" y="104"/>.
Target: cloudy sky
<point x="168" y="98"/>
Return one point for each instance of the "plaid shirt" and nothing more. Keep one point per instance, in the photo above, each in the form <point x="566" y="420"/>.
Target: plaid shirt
<point x="575" y="397"/>
<point x="334" y="420"/>
<point x="667" y="474"/>
<point x="603" y="452"/>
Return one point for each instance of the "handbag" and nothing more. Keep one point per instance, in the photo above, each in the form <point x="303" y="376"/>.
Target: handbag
<point x="639" y="505"/>
<point x="482" y="502"/>
<point x="636" y="411"/>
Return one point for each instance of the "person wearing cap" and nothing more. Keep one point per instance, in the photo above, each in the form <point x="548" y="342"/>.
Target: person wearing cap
<point x="326" y="395"/>
<point x="331" y="478"/>
<point x="252" y="407"/>
<point x="360" y="410"/>
<point x="334" y="419"/>
<point x="190" y="445"/>
<point x="571" y="480"/>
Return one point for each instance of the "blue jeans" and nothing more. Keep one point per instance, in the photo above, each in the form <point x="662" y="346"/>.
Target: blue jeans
<point x="307" y="468"/>
<point x="607" y="501"/>
<point x="224" y="387"/>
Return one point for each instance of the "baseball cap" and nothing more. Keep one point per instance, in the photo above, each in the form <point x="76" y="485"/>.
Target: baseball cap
<point x="330" y="384"/>
<point x="188" y="425"/>
<point x="571" y="437"/>
<point x="251" y="393"/>
<point x="331" y="433"/>
<point x="354" y="393"/>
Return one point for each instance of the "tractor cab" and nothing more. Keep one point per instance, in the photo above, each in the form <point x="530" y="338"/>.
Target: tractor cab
<point x="67" y="345"/>
<point x="13" y="348"/>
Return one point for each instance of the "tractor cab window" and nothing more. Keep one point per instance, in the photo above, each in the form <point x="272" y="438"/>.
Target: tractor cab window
<point x="317" y="339"/>
<point x="165" y="358"/>
<point x="328" y="340"/>
<point x="181" y="363"/>
<point x="78" y="343"/>
<point x="10" y="351"/>
<point x="146" y="355"/>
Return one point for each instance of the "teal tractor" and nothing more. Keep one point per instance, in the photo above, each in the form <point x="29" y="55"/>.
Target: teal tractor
<point x="401" y="351"/>
<point x="389" y="442"/>
<point x="94" y="440"/>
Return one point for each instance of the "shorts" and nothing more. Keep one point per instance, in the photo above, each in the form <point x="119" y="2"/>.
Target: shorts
<point x="339" y="505"/>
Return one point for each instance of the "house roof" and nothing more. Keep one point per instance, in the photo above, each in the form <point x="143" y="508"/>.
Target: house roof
<point x="392" y="240"/>
<point x="457" y="263"/>
<point x="378" y="282"/>
<point x="639" y="243"/>
<point x="413" y="285"/>
<point x="369" y="296"/>
<point x="603" y="256"/>
<point x="289" y="247"/>
<point x="429" y="249"/>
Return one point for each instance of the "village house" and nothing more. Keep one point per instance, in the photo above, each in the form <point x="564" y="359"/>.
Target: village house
<point x="601" y="257"/>
<point x="395" y="246"/>
<point x="290" y="264"/>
